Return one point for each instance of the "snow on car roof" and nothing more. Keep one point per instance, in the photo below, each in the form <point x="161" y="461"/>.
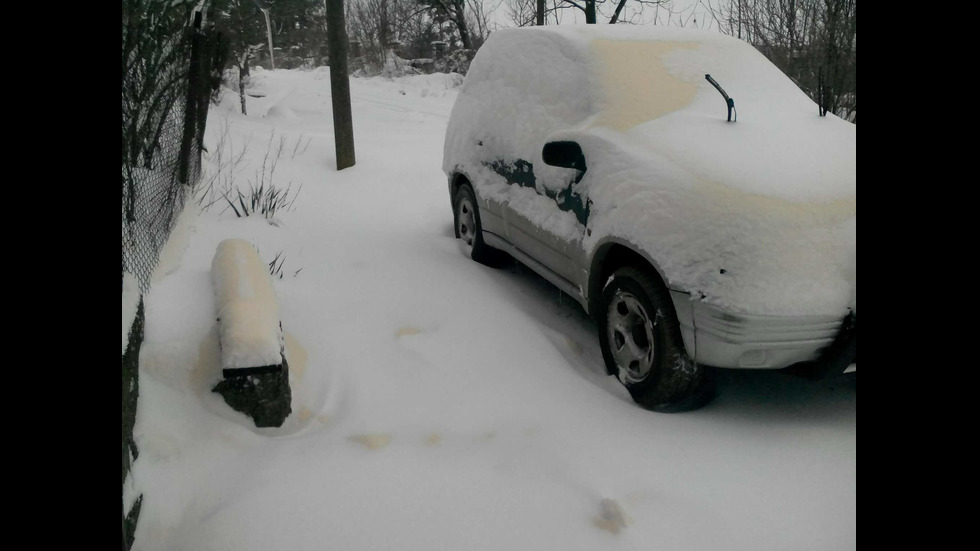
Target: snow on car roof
<point x="648" y="83"/>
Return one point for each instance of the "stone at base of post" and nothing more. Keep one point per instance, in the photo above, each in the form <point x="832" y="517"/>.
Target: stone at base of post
<point x="265" y="397"/>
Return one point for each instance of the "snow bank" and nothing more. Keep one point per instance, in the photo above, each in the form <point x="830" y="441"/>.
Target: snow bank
<point x="435" y="85"/>
<point x="541" y="450"/>
<point x="756" y="215"/>
<point x="248" y="313"/>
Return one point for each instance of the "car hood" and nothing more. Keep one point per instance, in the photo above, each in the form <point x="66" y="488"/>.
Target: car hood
<point x="800" y="157"/>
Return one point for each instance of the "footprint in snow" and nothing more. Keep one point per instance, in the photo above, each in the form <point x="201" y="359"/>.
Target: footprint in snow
<point x="407" y="330"/>
<point x="612" y="517"/>
<point x="371" y="441"/>
<point x="573" y="346"/>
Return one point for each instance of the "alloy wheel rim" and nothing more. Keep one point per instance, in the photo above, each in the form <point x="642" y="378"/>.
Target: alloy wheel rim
<point x="630" y="334"/>
<point x="465" y="221"/>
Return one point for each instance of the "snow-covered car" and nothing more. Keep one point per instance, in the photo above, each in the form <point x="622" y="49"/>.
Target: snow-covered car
<point x="699" y="231"/>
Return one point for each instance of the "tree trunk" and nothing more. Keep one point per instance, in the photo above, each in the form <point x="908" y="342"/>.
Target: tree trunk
<point x="343" y="126"/>
<point x="619" y="8"/>
<point x="590" y="12"/>
<point x="242" y="75"/>
<point x="459" y="17"/>
<point x="540" y="13"/>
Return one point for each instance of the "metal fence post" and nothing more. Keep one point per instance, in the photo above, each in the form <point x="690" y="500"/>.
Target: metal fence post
<point x="191" y="106"/>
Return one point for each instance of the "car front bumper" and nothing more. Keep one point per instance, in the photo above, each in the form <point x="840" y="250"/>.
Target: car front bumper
<point x="722" y="339"/>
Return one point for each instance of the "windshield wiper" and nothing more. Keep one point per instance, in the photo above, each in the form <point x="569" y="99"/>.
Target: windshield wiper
<point x="729" y="101"/>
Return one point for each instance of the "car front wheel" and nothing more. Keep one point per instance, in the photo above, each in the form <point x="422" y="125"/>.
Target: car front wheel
<point x="641" y="344"/>
<point x="466" y="215"/>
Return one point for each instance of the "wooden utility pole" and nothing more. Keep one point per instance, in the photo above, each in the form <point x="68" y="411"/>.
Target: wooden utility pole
<point x="343" y="126"/>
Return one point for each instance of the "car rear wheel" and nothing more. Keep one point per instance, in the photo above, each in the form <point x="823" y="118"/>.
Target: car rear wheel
<point x="642" y="345"/>
<point x="466" y="218"/>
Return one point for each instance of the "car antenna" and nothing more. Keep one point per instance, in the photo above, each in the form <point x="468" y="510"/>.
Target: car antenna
<point x="729" y="101"/>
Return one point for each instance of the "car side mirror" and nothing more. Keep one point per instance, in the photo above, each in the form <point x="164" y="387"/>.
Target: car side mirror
<point x="564" y="154"/>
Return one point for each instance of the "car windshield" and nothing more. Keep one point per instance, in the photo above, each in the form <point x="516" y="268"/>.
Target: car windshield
<point x="640" y="81"/>
<point x="632" y="73"/>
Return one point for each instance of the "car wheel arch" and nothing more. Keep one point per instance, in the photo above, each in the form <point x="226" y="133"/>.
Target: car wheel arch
<point x="455" y="181"/>
<point x="611" y="255"/>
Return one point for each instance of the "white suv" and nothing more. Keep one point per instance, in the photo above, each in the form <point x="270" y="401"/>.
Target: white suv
<point x="701" y="220"/>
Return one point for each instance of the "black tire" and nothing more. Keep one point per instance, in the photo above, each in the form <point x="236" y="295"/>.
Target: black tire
<point x="642" y="345"/>
<point x="466" y="221"/>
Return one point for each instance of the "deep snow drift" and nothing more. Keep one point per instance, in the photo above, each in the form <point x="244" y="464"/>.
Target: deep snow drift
<point x="438" y="403"/>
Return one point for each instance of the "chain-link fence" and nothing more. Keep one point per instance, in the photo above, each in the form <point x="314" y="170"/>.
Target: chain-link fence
<point x="168" y="81"/>
<point x="170" y="71"/>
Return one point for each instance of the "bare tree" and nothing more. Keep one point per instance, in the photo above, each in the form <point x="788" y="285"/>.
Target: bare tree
<point x="480" y="20"/>
<point x="613" y="10"/>
<point x="838" y="40"/>
<point x="415" y="26"/>
<point x="240" y="21"/>
<point x="587" y="6"/>
<point x="417" y="23"/>
<point x="372" y="23"/>
<point x="153" y="49"/>
<point x="454" y="11"/>
<point x="524" y="13"/>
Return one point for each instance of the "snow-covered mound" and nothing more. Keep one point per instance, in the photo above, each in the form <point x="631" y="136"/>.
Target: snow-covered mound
<point x="248" y="312"/>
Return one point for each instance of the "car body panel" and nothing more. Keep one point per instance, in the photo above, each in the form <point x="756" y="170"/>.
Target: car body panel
<point x="759" y="342"/>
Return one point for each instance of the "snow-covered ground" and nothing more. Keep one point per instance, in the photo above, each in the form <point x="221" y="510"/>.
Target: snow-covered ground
<point x="438" y="403"/>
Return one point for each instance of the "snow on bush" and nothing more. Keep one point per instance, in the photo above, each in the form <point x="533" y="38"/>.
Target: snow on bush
<point x="757" y="215"/>
<point x="247" y="309"/>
